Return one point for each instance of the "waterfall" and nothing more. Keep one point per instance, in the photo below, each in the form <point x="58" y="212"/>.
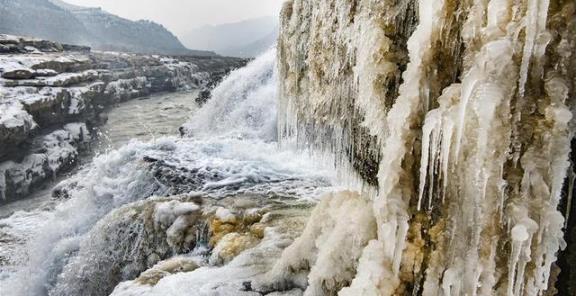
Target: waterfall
<point x="242" y="105"/>
<point x="106" y="230"/>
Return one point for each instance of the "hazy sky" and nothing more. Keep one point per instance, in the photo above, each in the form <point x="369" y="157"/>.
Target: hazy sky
<point x="180" y="16"/>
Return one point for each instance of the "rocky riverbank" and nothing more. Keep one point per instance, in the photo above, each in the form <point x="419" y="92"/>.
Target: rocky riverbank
<point x="52" y="95"/>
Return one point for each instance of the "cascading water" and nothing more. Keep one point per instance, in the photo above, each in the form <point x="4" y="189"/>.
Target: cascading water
<point x="243" y="105"/>
<point x="104" y="232"/>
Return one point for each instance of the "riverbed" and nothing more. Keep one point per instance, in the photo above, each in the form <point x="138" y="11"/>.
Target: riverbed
<point x="143" y="119"/>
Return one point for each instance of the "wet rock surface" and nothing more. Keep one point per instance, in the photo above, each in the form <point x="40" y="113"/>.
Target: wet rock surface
<point x="45" y="85"/>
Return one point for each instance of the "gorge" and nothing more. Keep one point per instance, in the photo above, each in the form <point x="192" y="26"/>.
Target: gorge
<point x="382" y="148"/>
<point x="53" y="95"/>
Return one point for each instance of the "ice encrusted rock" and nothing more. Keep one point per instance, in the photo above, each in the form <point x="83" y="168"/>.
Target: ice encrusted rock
<point x="137" y="242"/>
<point x="323" y="259"/>
<point x="16" y="125"/>
<point x="458" y="116"/>
<point x="47" y="77"/>
<point x="238" y="256"/>
<point x="167" y="267"/>
<point x="53" y="153"/>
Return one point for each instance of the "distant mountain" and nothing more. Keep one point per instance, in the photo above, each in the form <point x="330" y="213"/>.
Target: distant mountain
<point x="41" y="18"/>
<point x="66" y="5"/>
<point x="67" y="23"/>
<point x="246" y="38"/>
<point x="115" y="33"/>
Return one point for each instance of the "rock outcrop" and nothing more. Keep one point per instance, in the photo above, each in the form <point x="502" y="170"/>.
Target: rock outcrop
<point x="45" y="85"/>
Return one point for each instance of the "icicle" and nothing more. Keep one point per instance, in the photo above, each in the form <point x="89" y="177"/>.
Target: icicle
<point x="433" y="168"/>
<point x="431" y="126"/>
<point x="452" y="280"/>
<point x="535" y="27"/>
<point x="404" y="111"/>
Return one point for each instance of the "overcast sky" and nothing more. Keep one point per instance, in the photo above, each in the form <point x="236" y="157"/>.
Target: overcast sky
<point x="180" y="16"/>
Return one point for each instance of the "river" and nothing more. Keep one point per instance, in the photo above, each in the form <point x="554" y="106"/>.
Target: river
<point x="141" y="119"/>
<point x="226" y="153"/>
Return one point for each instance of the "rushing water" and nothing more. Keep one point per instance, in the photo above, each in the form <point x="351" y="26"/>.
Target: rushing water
<point x="229" y="148"/>
<point x="145" y="119"/>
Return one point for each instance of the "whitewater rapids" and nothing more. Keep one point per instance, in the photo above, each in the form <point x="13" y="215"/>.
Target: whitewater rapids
<point x="230" y="151"/>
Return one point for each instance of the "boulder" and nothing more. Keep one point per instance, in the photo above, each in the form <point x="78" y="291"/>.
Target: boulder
<point x="20" y="73"/>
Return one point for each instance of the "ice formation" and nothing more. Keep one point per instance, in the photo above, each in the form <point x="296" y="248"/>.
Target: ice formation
<point x="466" y="108"/>
<point x="328" y="249"/>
